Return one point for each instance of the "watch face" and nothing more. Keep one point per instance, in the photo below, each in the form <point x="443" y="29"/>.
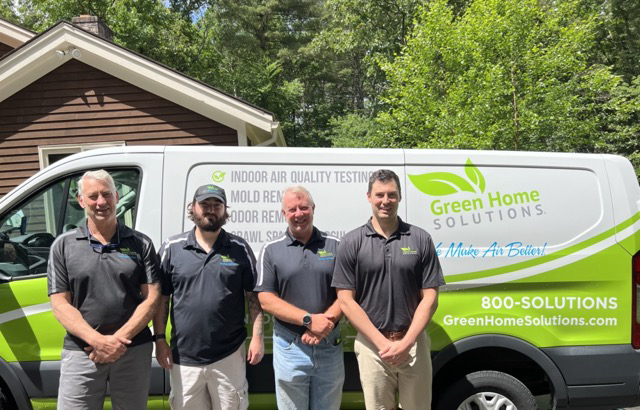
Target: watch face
<point x="306" y="320"/>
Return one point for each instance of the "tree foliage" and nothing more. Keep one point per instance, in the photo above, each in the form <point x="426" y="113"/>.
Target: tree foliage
<point x="506" y="74"/>
<point x="479" y="74"/>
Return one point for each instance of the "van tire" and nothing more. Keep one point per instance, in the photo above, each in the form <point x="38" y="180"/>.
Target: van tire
<point x="484" y="387"/>
<point x="4" y="403"/>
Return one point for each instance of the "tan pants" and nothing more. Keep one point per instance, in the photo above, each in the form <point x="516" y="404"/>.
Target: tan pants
<point x="381" y="382"/>
<point x="218" y="386"/>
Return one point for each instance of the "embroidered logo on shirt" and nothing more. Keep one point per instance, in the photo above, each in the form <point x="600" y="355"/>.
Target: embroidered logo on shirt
<point x="227" y="261"/>
<point x="325" y="255"/>
<point x="408" y="251"/>
<point x="127" y="253"/>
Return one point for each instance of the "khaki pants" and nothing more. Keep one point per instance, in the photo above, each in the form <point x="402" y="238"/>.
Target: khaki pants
<point x="381" y="382"/>
<point x="221" y="385"/>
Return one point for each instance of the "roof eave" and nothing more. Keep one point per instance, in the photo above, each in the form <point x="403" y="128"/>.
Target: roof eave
<point x="14" y="35"/>
<point x="64" y="41"/>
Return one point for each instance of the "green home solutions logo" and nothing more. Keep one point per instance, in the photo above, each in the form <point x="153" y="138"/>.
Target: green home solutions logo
<point x="408" y="251"/>
<point x="325" y="255"/>
<point x="472" y="203"/>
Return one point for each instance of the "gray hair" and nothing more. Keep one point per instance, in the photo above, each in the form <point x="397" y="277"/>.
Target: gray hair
<point x="298" y="190"/>
<point x="100" y="175"/>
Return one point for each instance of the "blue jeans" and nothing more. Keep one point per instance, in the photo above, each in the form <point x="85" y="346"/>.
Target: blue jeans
<point x="307" y="377"/>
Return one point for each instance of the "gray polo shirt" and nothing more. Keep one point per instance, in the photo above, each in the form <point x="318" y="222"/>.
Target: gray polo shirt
<point x="207" y="295"/>
<point x="104" y="281"/>
<point x="299" y="274"/>
<point x="388" y="274"/>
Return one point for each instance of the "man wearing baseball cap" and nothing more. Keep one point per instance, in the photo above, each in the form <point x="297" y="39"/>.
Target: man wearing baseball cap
<point x="207" y="274"/>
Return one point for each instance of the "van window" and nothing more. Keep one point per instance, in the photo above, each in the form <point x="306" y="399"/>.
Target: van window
<point x="28" y="230"/>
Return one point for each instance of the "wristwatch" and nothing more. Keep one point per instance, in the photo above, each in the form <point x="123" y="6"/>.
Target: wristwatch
<point x="159" y="336"/>
<point x="306" y="320"/>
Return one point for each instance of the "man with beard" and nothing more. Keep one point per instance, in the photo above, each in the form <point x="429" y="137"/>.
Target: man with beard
<point x="207" y="273"/>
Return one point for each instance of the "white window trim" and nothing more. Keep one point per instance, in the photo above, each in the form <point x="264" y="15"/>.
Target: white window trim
<point x="45" y="150"/>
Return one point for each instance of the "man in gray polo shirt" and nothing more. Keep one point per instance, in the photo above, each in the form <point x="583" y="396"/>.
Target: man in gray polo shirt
<point x="387" y="277"/>
<point x="294" y="284"/>
<point x="104" y="289"/>
<point x="207" y="273"/>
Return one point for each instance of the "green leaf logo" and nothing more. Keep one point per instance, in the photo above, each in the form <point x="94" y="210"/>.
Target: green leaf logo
<point x="447" y="183"/>
<point x="218" y="176"/>
<point x="474" y="175"/>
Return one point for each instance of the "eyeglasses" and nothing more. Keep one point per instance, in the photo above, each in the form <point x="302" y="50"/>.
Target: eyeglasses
<point x="98" y="247"/>
<point x="106" y="248"/>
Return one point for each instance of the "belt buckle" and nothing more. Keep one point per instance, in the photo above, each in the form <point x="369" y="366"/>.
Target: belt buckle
<point x="395" y="335"/>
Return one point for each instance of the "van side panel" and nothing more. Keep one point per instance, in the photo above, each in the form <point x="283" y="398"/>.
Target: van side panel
<point x="527" y="245"/>
<point x="625" y="195"/>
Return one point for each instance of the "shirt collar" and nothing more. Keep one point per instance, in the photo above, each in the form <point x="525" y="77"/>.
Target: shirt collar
<point x="403" y="228"/>
<point x="122" y="231"/>
<point x="191" y="242"/>
<point x="315" y="236"/>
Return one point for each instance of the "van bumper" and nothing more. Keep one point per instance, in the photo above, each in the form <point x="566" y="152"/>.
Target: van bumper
<point x="599" y="377"/>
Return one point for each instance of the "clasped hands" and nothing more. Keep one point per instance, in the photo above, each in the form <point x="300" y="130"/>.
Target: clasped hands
<point x="107" y="348"/>
<point x="321" y="325"/>
<point x="395" y="353"/>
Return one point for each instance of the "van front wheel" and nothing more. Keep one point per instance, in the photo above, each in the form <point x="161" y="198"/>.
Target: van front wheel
<point x="4" y="405"/>
<point x="487" y="390"/>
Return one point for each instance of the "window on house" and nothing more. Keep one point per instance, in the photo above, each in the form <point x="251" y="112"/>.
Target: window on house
<point x="49" y="154"/>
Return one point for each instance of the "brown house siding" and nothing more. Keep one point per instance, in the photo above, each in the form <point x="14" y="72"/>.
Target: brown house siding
<point x="77" y="104"/>
<point x="4" y="49"/>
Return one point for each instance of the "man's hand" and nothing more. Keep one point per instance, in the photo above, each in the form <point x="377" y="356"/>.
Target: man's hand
<point x="163" y="354"/>
<point x="256" y="350"/>
<point x="396" y="353"/>
<point x="321" y="324"/>
<point x="107" y="348"/>
<point x="310" y="338"/>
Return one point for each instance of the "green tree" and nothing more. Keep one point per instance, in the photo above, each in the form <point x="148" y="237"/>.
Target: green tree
<point x="357" y="35"/>
<point x="617" y="41"/>
<point x="506" y="74"/>
<point x="8" y="11"/>
<point x="145" y="26"/>
<point x="257" y="47"/>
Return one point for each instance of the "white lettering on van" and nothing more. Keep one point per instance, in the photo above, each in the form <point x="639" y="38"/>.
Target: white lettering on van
<point x="549" y="302"/>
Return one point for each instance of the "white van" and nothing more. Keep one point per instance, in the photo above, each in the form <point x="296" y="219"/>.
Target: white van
<point x="539" y="251"/>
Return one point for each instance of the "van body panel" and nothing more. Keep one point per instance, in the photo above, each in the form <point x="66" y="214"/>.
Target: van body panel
<point x="536" y="249"/>
<point x="599" y="375"/>
<point x="625" y="195"/>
